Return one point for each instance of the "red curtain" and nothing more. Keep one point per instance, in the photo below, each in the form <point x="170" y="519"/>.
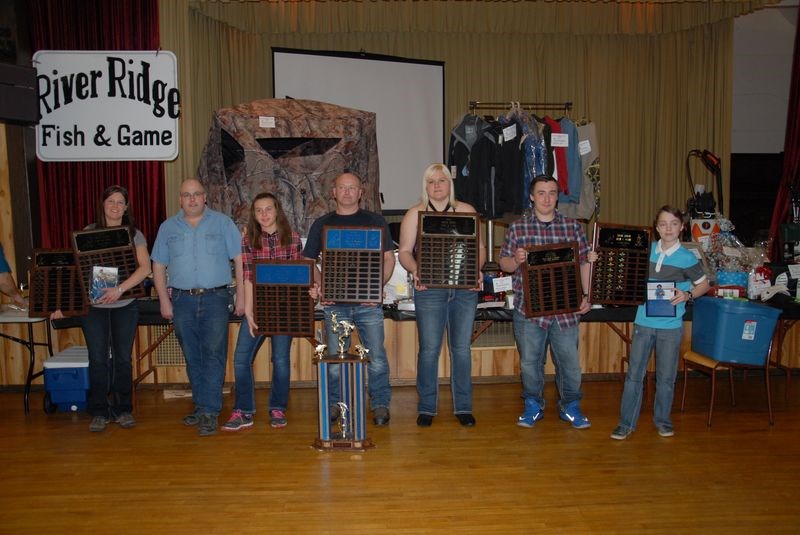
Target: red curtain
<point x="69" y="191"/>
<point x="790" y="178"/>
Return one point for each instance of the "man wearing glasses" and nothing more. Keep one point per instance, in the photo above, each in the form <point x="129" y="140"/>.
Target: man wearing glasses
<point x="192" y="272"/>
<point x="367" y="317"/>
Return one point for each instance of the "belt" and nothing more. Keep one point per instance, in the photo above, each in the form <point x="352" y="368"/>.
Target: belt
<point x="200" y="291"/>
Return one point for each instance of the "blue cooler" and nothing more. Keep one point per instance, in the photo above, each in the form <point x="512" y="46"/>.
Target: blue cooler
<point x="66" y="378"/>
<point x="735" y="331"/>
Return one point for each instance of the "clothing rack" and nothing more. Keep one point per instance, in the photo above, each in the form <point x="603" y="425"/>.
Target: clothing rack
<point x="478" y="105"/>
<point x="475" y="105"/>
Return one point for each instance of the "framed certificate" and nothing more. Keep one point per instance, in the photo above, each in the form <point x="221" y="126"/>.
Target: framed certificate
<point x="448" y="246"/>
<point x="281" y="304"/>
<point x="659" y="295"/>
<point x="619" y="275"/>
<point x="352" y="264"/>
<point x="552" y="282"/>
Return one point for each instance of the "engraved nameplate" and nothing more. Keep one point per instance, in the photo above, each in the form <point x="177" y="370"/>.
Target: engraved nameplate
<point x="447" y="250"/>
<point x="111" y="247"/>
<point x="551" y="281"/>
<point x="56" y="284"/>
<point x="352" y="264"/>
<point x="620" y="274"/>
<point x="281" y="304"/>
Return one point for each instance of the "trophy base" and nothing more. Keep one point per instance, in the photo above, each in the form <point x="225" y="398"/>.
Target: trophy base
<point x="341" y="444"/>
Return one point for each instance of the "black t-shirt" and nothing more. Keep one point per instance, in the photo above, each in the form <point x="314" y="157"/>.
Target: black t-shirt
<point x="362" y="218"/>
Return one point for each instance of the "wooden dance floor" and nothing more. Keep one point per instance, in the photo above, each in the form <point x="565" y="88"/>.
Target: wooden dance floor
<point x="741" y="475"/>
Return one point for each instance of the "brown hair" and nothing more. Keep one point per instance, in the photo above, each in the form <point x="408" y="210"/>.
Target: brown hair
<point x="254" y="227"/>
<point x="670" y="210"/>
<point x="127" y="217"/>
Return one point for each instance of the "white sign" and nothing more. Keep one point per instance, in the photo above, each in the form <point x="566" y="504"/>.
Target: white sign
<point x="107" y="105"/>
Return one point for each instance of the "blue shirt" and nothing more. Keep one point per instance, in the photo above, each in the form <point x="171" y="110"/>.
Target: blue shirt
<point x="197" y="257"/>
<point x="679" y="265"/>
<point x="4" y="267"/>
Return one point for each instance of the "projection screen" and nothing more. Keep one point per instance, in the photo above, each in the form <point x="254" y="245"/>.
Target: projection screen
<point x="406" y="95"/>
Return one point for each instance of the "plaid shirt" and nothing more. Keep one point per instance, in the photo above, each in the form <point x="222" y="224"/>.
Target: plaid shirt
<point x="527" y="232"/>
<point x="271" y="249"/>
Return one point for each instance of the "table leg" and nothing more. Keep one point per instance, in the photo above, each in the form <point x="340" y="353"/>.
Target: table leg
<point x="31" y="361"/>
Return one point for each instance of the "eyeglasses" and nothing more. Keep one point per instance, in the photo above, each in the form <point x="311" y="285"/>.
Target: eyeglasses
<point x="196" y="194"/>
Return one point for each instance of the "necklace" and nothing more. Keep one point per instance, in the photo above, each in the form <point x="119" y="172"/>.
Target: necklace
<point x="446" y="208"/>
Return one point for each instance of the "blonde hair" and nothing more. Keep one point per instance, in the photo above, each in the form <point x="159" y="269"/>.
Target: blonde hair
<point x="429" y="172"/>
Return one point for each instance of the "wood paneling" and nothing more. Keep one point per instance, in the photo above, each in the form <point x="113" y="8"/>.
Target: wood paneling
<point x="600" y="349"/>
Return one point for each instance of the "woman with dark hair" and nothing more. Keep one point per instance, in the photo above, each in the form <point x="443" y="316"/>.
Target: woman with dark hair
<point x="110" y="325"/>
<point x="267" y="236"/>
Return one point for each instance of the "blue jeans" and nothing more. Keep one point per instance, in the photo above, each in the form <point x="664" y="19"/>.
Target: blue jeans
<point x="369" y="323"/>
<point x="201" y="326"/>
<point x="114" y="329"/>
<point x="532" y="342"/>
<point x="246" y="349"/>
<point x="437" y="310"/>
<point x="667" y="343"/>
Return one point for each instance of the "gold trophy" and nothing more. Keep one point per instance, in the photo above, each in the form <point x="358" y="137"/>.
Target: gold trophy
<point x="352" y="417"/>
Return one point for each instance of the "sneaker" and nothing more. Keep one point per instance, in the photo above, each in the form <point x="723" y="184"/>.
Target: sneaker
<point x="533" y="413"/>
<point x="621" y="433"/>
<point x="424" y="420"/>
<point x="191" y="419"/>
<point x="277" y="418"/>
<point x="665" y="431"/>
<point x="207" y="425"/>
<point x="467" y="420"/>
<point x="98" y="424"/>
<point x="380" y="416"/>
<point x="125" y="420"/>
<point x="238" y="420"/>
<point x="572" y="414"/>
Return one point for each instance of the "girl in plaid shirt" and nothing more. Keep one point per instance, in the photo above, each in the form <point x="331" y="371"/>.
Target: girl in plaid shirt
<point x="267" y="236"/>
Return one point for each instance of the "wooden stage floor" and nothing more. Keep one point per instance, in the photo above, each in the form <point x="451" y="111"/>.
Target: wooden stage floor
<point x="741" y="475"/>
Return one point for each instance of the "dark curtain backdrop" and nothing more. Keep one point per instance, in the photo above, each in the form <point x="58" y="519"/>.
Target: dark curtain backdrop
<point x="790" y="177"/>
<point x="69" y="191"/>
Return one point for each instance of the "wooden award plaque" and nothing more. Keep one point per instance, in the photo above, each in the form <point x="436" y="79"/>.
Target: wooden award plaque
<point x="281" y="301"/>
<point x="111" y="247"/>
<point x="620" y="274"/>
<point x="56" y="284"/>
<point x="448" y="246"/>
<point x="552" y="281"/>
<point x="352" y="264"/>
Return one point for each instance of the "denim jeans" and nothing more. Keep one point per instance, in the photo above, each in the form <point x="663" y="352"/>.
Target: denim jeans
<point x="369" y="323"/>
<point x="437" y="310"/>
<point x="246" y="348"/>
<point x="532" y="342"/>
<point x="201" y="326"/>
<point x="114" y="329"/>
<point x="667" y="343"/>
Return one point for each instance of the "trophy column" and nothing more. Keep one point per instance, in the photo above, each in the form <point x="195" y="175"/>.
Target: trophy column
<point x="349" y="430"/>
